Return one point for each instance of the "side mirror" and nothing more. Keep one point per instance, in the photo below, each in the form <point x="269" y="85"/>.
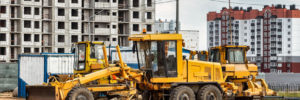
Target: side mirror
<point x="134" y="47"/>
<point x="73" y="50"/>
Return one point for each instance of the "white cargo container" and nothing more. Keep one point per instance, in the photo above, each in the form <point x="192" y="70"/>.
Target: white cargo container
<point x="35" y="69"/>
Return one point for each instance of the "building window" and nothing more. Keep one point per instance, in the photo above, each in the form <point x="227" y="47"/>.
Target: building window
<point x="2" y="9"/>
<point x="36" y="38"/>
<point x="27" y="24"/>
<point x="2" y="37"/>
<point x="289" y="52"/>
<point x="149" y="28"/>
<point x="135" y="27"/>
<point x="36" y="11"/>
<point x="27" y="50"/>
<point x="149" y="15"/>
<point x="114" y="26"/>
<point x="36" y="24"/>
<point x="74" y="12"/>
<point x="114" y="1"/>
<point x="61" y="1"/>
<point x="135" y="14"/>
<point x="27" y="10"/>
<point x="289" y="45"/>
<point x="114" y="14"/>
<point x="74" y="1"/>
<point x="2" y="23"/>
<point x="289" y="26"/>
<point x="60" y="50"/>
<point x="74" y="25"/>
<point x="37" y="0"/>
<point x="289" y="20"/>
<point x="2" y="51"/>
<point x="114" y="39"/>
<point x="61" y="38"/>
<point x="60" y="12"/>
<point x="74" y="38"/>
<point x="149" y="3"/>
<point x="61" y="25"/>
<point x="135" y="3"/>
<point x="27" y="37"/>
<point x="289" y="39"/>
<point x="36" y="50"/>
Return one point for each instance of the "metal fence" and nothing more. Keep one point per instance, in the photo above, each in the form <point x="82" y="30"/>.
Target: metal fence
<point x="282" y="81"/>
<point x="284" y="87"/>
<point x="8" y="76"/>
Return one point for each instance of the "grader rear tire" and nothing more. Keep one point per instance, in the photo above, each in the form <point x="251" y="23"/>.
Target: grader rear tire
<point x="209" y="92"/>
<point x="182" y="93"/>
<point x="80" y="93"/>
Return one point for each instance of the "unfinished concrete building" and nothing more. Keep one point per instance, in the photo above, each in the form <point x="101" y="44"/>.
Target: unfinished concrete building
<point x="35" y="26"/>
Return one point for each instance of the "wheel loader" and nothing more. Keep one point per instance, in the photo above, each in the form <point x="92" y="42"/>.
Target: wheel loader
<point x="89" y="57"/>
<point x="165" y="74"/>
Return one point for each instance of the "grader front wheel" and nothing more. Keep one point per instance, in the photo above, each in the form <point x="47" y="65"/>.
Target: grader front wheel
<point x="182" y="93"/>
<point x="80" y="93"/>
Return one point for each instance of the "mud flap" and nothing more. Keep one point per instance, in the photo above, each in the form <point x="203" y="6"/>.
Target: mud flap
<point x="41" y="93"/>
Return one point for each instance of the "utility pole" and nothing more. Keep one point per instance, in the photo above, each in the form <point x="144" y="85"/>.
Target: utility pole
<point x="230" y="29"/>
<point x="177" y="16"/>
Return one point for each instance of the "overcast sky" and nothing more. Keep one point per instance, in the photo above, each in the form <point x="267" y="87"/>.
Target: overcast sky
<point x="193" y="12"/>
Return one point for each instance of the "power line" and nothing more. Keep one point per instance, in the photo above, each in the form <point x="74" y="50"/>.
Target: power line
<point x="240" y="3"/>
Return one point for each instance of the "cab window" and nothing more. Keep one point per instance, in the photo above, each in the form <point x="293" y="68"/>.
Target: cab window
<point x="166" y="61"/>
<point x="160" y="57"/>
<point x="214" y="55"/>
<point x="81" y="52"/>
<point x="96" y="51"/>
<point x="235" y="56"/>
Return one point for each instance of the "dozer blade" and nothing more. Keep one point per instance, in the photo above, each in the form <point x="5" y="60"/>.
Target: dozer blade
<point x="40" y="93"/>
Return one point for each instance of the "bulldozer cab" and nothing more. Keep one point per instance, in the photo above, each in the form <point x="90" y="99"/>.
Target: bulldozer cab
<point x="157" y="53"/>
<point x="233" y="60"/>
<point x="228" y="54"/>
<point x="89" y="56"/>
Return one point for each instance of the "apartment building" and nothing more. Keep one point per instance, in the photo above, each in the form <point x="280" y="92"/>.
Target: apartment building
<point x="34" y="26"/>
<point x="271" y="34"/>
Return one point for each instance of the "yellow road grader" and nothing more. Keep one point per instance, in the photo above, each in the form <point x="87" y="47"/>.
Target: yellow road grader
<point x="164" y="74"/>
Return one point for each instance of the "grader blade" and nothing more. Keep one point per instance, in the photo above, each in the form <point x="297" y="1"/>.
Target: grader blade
<point x="41" y="93"/>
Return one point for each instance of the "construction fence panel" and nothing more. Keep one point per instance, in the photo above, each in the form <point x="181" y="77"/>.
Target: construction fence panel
<point x="35" y="69"/>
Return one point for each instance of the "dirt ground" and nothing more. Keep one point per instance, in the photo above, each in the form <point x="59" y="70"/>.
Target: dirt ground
<point x="8" y="96"/>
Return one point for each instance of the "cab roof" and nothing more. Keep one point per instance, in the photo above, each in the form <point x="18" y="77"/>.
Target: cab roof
<point x="231" y="46"/>
<point x="94" y="42"/>
<point x="149" y="37"/>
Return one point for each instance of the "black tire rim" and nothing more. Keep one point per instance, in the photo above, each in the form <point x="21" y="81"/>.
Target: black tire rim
<point x="210" y="96"/>
<point x="184" y="96"/>
<point x="81" y="97"/>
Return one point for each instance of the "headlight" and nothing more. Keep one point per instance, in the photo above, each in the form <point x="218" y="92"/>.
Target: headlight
<point x="81" y="66"/>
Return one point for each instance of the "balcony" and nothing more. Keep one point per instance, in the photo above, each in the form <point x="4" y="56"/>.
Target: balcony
<point x="102" y="31"/>
<point x="102" y="18"/>
<point x="105" y="5"/>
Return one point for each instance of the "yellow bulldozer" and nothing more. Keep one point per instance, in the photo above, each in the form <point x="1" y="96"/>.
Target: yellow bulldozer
<point x="165" y="74"/>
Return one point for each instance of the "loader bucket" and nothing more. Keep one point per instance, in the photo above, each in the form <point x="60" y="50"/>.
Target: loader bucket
<point x="40" y="93"/>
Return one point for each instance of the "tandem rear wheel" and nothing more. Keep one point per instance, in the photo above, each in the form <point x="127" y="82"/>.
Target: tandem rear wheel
<point x="207" y="92"/>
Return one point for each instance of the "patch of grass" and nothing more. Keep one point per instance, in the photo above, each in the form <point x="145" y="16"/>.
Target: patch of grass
<point x="289" y="94"/>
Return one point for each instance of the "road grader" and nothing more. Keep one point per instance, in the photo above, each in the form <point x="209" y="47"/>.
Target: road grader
<point x="164" y="73"/>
